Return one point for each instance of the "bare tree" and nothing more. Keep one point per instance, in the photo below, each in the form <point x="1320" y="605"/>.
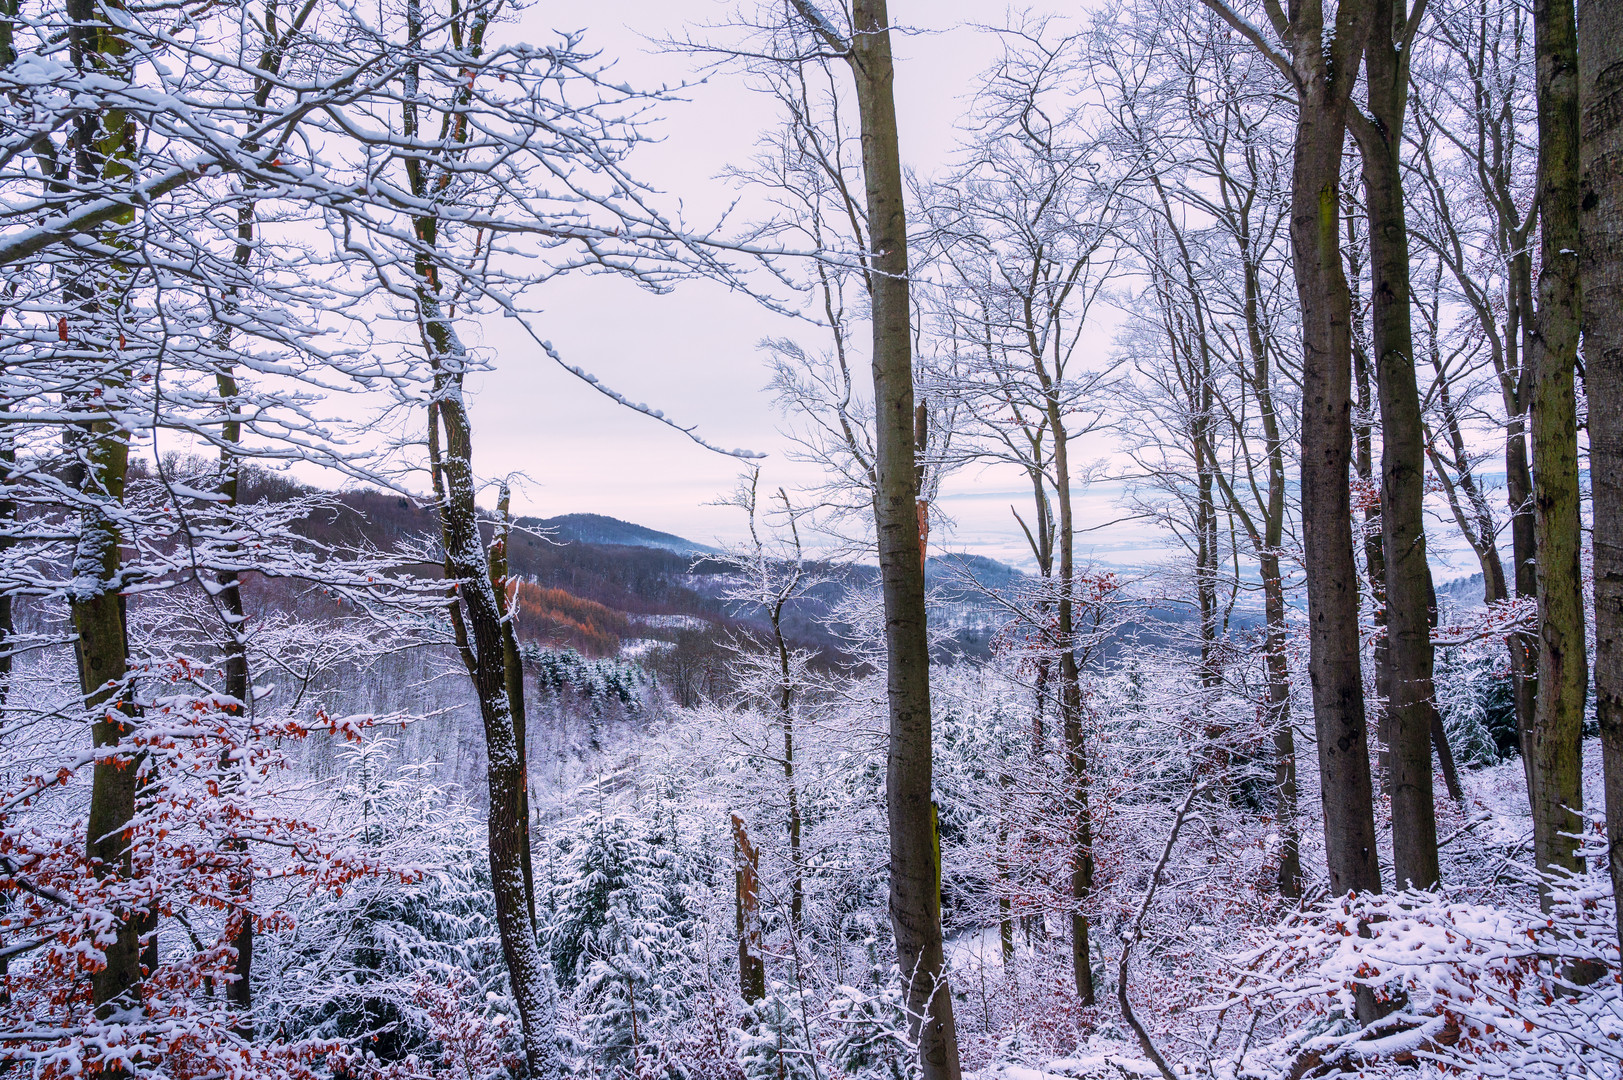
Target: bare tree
<point x="1409" y="596"/>
<point x="1556" y="738"/>
<point x="1021" y="234"/>
<point x="915" y="868"/>
<point x="1474" y="159"/>
<point x="1323" y="68"/>
<point x="1209" y="131"/>
<point x="1600" y="92"/>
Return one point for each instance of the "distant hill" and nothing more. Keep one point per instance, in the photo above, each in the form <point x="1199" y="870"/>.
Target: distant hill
<point x="600" y="529"/>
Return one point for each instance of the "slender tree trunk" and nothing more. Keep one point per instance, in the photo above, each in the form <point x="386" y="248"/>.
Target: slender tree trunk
<point x="1557" y="735"/>
<point x="1279" y="722"/>
<point x="1600" y="81"/>
<point x="483" y="653"/>
<point x="1409" y="595"/>
<point x="1070" y="707"/>
<point x="239" y="990"/>
<point x="1522" y="645"/>
<point x="1374" y="551"/>
<point x="786" y="721"/>
<point x="513" y="669"/>
<point x="915" y="848"/>
<point x="102" y="653"/>
<point x="484" y="636"/>
<point x="1268" y="546"/>
<point x="1005" y="903"/>
<point x="1327" y="71"/>
<point x="101" y="144"/>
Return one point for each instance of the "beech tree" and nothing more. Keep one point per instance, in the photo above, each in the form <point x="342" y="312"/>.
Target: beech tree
<point x="1474" y="147"/>
<point x="1408" y="593"/>
<point x="1021" y="242"/>
<point x="1322" y="66"/>
<point x="1209" y="132"/>
<point x="1600" y="95"/>
<point x="1555" y="742"/>
<point x="915" y="869"/>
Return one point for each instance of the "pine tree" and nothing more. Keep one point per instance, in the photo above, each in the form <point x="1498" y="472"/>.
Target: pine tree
<point x="774" y="1043"/>
<point x="622" y="941"/>
<point x="870" y="1029"/>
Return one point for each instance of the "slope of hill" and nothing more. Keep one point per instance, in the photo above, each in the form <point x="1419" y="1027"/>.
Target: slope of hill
<point x="600" y="529"/>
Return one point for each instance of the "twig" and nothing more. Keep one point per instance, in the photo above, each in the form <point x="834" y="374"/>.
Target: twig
<point x="1132" y="938"/>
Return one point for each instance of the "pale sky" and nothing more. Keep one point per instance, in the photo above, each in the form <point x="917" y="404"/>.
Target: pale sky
<point x="693" y="353"/>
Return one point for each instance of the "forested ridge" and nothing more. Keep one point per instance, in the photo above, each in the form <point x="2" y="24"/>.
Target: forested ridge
<point x="321" y="760"/>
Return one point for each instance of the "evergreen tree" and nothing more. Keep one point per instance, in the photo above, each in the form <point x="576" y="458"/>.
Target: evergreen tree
<point x="622" y="941"/>
<point x="870" y="1039"/>
<point x="774" y="1042"/>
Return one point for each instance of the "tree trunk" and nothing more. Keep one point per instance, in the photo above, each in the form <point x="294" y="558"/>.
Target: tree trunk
<point x="1522" y="645"/>
<point x="1332" y="576"/>
<point x="1268" y="545"/>
<point x="915" y="851"/>
<point x="513" y="668"/>
<point x="1374" y="552"/>
<point x="1600" y="90"/>
<point x="507" y="828"/>
<point x="102" y="653"/>
<point x="1409" y="595"/>
<point x="101" y="144"/>
<point x="746" y="910"/>
<point x="786" y="721"/>
<point x="1325" y="68"/>
<point x="1070" y="708"/>
<point x="1279" y="722"/>
<point x="1556" y="746"/>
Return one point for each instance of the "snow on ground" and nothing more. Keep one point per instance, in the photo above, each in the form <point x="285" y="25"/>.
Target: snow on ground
<point x="670" y="622"/>
<point x="636" y="648"/>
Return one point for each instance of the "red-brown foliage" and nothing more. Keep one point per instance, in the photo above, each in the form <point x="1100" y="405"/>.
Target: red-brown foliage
<point x="556" y="617"/>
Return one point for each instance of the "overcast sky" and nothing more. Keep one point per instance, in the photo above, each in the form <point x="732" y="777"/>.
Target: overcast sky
<point x="693" y="353"/>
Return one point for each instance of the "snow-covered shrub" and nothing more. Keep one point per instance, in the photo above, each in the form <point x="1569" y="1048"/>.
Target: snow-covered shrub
<point x="410" y="972"/>
<point x="774" y="1042"/>
<point x="1482" y="989"/>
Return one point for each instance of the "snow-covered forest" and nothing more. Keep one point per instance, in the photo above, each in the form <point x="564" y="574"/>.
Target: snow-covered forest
<point x="320" y="760"/>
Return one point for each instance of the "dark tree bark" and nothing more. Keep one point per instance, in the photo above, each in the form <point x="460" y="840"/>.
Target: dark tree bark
<point x="237" y="683"/>
<point x="1600" y="94"/>
<point x="1556" y="739"/>
<point x="513" y="666"/>
<point x="1409" y="595"/>
<point x="1070" y="709"/>
<point x="786" y="721"/>
<point x="1369" y="488"/>
<point x="915" y="849"/>
<point x="103" y="662"/>
<point x="477" y="617"/>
